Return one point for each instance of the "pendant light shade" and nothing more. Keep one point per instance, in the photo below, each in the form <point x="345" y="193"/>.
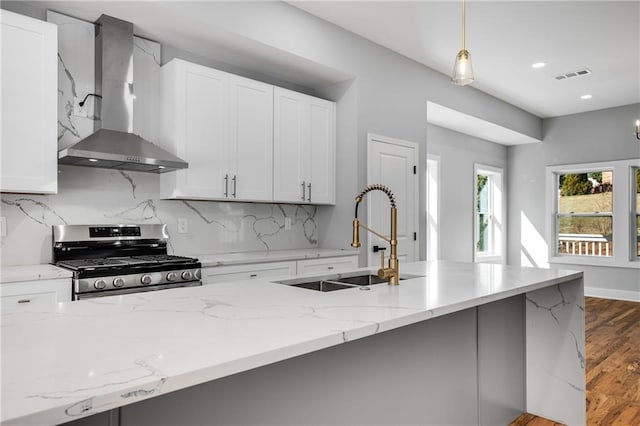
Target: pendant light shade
<point x="462" y="68"/>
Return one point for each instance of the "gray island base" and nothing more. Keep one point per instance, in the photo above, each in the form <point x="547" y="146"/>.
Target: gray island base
<point x="514" y="343"/>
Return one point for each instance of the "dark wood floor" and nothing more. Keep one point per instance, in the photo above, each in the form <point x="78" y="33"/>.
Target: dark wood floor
<point x="612" y="329"/>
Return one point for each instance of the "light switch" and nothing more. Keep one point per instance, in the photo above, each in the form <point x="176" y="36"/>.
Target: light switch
<point x="287" y="223"/>
<point x="183" y="225"/>
<point x="3" y="226"/>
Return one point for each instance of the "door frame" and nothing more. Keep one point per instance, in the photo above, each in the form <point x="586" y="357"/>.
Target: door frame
<point x="372" y="137"/>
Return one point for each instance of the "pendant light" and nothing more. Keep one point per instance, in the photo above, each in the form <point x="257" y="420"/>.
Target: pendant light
<point x="462" y="68"/>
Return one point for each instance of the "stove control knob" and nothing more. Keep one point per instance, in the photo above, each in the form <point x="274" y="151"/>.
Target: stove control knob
<point x="145" y="279"/>
<point x="196" y="274"/>
<point x="186" y="275"/>
<point x="118" y="282"/>
<point x="172" y="276"/>
<point x="100" y="284"/>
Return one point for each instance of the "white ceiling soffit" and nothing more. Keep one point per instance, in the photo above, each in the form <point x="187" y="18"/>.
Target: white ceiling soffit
<point x="505" y="38"/>
<point x="473" y="126"/>
<point x="194" y="26"/>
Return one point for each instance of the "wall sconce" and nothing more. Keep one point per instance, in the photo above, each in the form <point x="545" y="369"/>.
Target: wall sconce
<point x="638" y="129"/>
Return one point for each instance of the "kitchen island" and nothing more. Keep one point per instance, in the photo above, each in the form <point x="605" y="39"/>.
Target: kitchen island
<point x="462" y="344"/>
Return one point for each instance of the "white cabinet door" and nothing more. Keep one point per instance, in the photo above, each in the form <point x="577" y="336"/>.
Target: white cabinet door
<point x="304" y="148"/>
<point x="290" y="154"/>
<point x="251" y="136"/>
<point x="195" y="127"/>
<point x="323" y="158"/>
<point x="330" y="264"/>
<point x="34" y="296"/>
<point x="29" y="81"/>
<point x="221" y="274"/>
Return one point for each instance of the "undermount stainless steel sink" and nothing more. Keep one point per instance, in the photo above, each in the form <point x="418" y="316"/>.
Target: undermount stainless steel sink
<point x="323" y="286"/>
<point x="340" y="281"/>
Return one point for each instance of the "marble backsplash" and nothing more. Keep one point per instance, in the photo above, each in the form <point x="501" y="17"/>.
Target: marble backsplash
<point x="101" y="196"/>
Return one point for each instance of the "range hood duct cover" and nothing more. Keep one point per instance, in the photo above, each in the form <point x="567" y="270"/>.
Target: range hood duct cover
<point x="113" y="145"/>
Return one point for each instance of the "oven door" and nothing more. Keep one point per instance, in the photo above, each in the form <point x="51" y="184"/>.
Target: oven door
<point x="94" y="294"/>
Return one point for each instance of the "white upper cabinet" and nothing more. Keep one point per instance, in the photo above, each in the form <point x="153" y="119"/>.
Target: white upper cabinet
<point x="29" y="82"/>
<point x="222" y="125"/>
<point x="194" y="126"/>
<point x="304" y="148"/>
<point x="251" y="139"/>
<point x="244" y="140"/>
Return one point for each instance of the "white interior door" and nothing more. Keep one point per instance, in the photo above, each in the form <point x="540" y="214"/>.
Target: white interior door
<point x="392" y="162"/>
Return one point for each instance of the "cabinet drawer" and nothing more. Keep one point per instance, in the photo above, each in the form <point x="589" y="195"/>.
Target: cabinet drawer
<point x="222" y="274"/>
<point x="29" y="302"/>
<point x="327" y="264"/>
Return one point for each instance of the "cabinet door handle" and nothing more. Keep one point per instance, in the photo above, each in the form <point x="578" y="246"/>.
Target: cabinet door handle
<point x="226" y="186"/>
<point x="253" y="275"/>
<point x="235" y="185"/>
<point x="304" y="190"/>
<point x="309" y="186"/>
<point x="24" y="301"/>
<point x="329" y="267"/>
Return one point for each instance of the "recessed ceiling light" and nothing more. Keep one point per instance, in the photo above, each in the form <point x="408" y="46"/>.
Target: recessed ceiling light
<point x="539" y="65"/>
<point x="585" y="97"/>
<point x="93" y="160"/>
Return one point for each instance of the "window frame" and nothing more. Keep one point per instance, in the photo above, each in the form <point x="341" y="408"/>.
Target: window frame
<point x="635" y="213"/>
<point x="621" y="215"/>
<point x="497" y="219"/>
<point x="433" y="207"/>
<point x="558" y="215"/>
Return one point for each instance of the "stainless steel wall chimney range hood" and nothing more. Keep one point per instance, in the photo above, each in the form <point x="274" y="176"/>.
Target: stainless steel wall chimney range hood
<point x="113" y="145"/>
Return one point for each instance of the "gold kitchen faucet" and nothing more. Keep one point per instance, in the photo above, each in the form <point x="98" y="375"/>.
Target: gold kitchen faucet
<point x="391" y="272"/>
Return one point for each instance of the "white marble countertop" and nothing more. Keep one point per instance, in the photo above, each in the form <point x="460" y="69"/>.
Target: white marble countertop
<point x="238" y="258"/>
<point x="80" y="358"/>
<point x="10" y="274"/>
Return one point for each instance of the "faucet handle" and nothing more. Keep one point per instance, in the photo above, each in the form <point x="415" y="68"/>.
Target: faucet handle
<point x="381" y="250"/>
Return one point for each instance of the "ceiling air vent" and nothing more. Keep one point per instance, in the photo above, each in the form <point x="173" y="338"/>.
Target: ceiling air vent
<point x="572" y="74"/>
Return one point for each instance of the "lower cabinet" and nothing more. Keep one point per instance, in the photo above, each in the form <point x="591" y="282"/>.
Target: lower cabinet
<point x="221" y="274"/>
<point x="34" y="295"/>
<point x="327" y="264"/>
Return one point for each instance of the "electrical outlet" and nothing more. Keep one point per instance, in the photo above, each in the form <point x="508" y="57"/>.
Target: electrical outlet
<point x="3" y="226"/>
<point x="183" y="225"/>
<point x="80" y="111"/>
<point x="287" y="223"/>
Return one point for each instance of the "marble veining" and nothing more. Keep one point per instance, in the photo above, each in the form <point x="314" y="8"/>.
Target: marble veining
<point x="35" y="210"/>
<point x="159" y="342"/>
<point x="556" y="354"/>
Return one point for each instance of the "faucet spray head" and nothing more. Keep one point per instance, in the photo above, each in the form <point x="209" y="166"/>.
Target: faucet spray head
<point x="355" y="242"/>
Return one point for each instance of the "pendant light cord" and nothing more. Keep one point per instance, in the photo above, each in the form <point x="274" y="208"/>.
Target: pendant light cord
<point x="464" y="47"/>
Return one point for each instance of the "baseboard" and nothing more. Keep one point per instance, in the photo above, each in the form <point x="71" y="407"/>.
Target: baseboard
<point x="607" y="293"/>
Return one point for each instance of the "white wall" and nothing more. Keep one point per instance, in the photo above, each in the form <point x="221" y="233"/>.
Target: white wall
<point x="458" y="153"/>
<point x="595" y="136"/>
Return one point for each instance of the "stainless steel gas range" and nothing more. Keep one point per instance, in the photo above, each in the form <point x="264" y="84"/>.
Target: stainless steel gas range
<point x="109" y="260"/>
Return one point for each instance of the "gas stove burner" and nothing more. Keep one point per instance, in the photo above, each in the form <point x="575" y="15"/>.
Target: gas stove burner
<point x="162" y="258"/>
<point x="91" y="263"/>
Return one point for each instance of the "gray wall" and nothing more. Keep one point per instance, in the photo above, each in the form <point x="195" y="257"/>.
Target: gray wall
<point x="388" y="93"/>
<point x="458" y="154"/>
<point x="594" y="136"/>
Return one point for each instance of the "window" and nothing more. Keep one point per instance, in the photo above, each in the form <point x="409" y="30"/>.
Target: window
<point x="593" y="213"/>
<point x="636" y="199"/>
<point x="433" y="209"/>
<point x="489" y="214"/>
<point x="584" y="217"/>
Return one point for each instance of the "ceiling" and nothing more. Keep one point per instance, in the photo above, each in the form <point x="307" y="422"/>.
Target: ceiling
<point x="504" y="37"/>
